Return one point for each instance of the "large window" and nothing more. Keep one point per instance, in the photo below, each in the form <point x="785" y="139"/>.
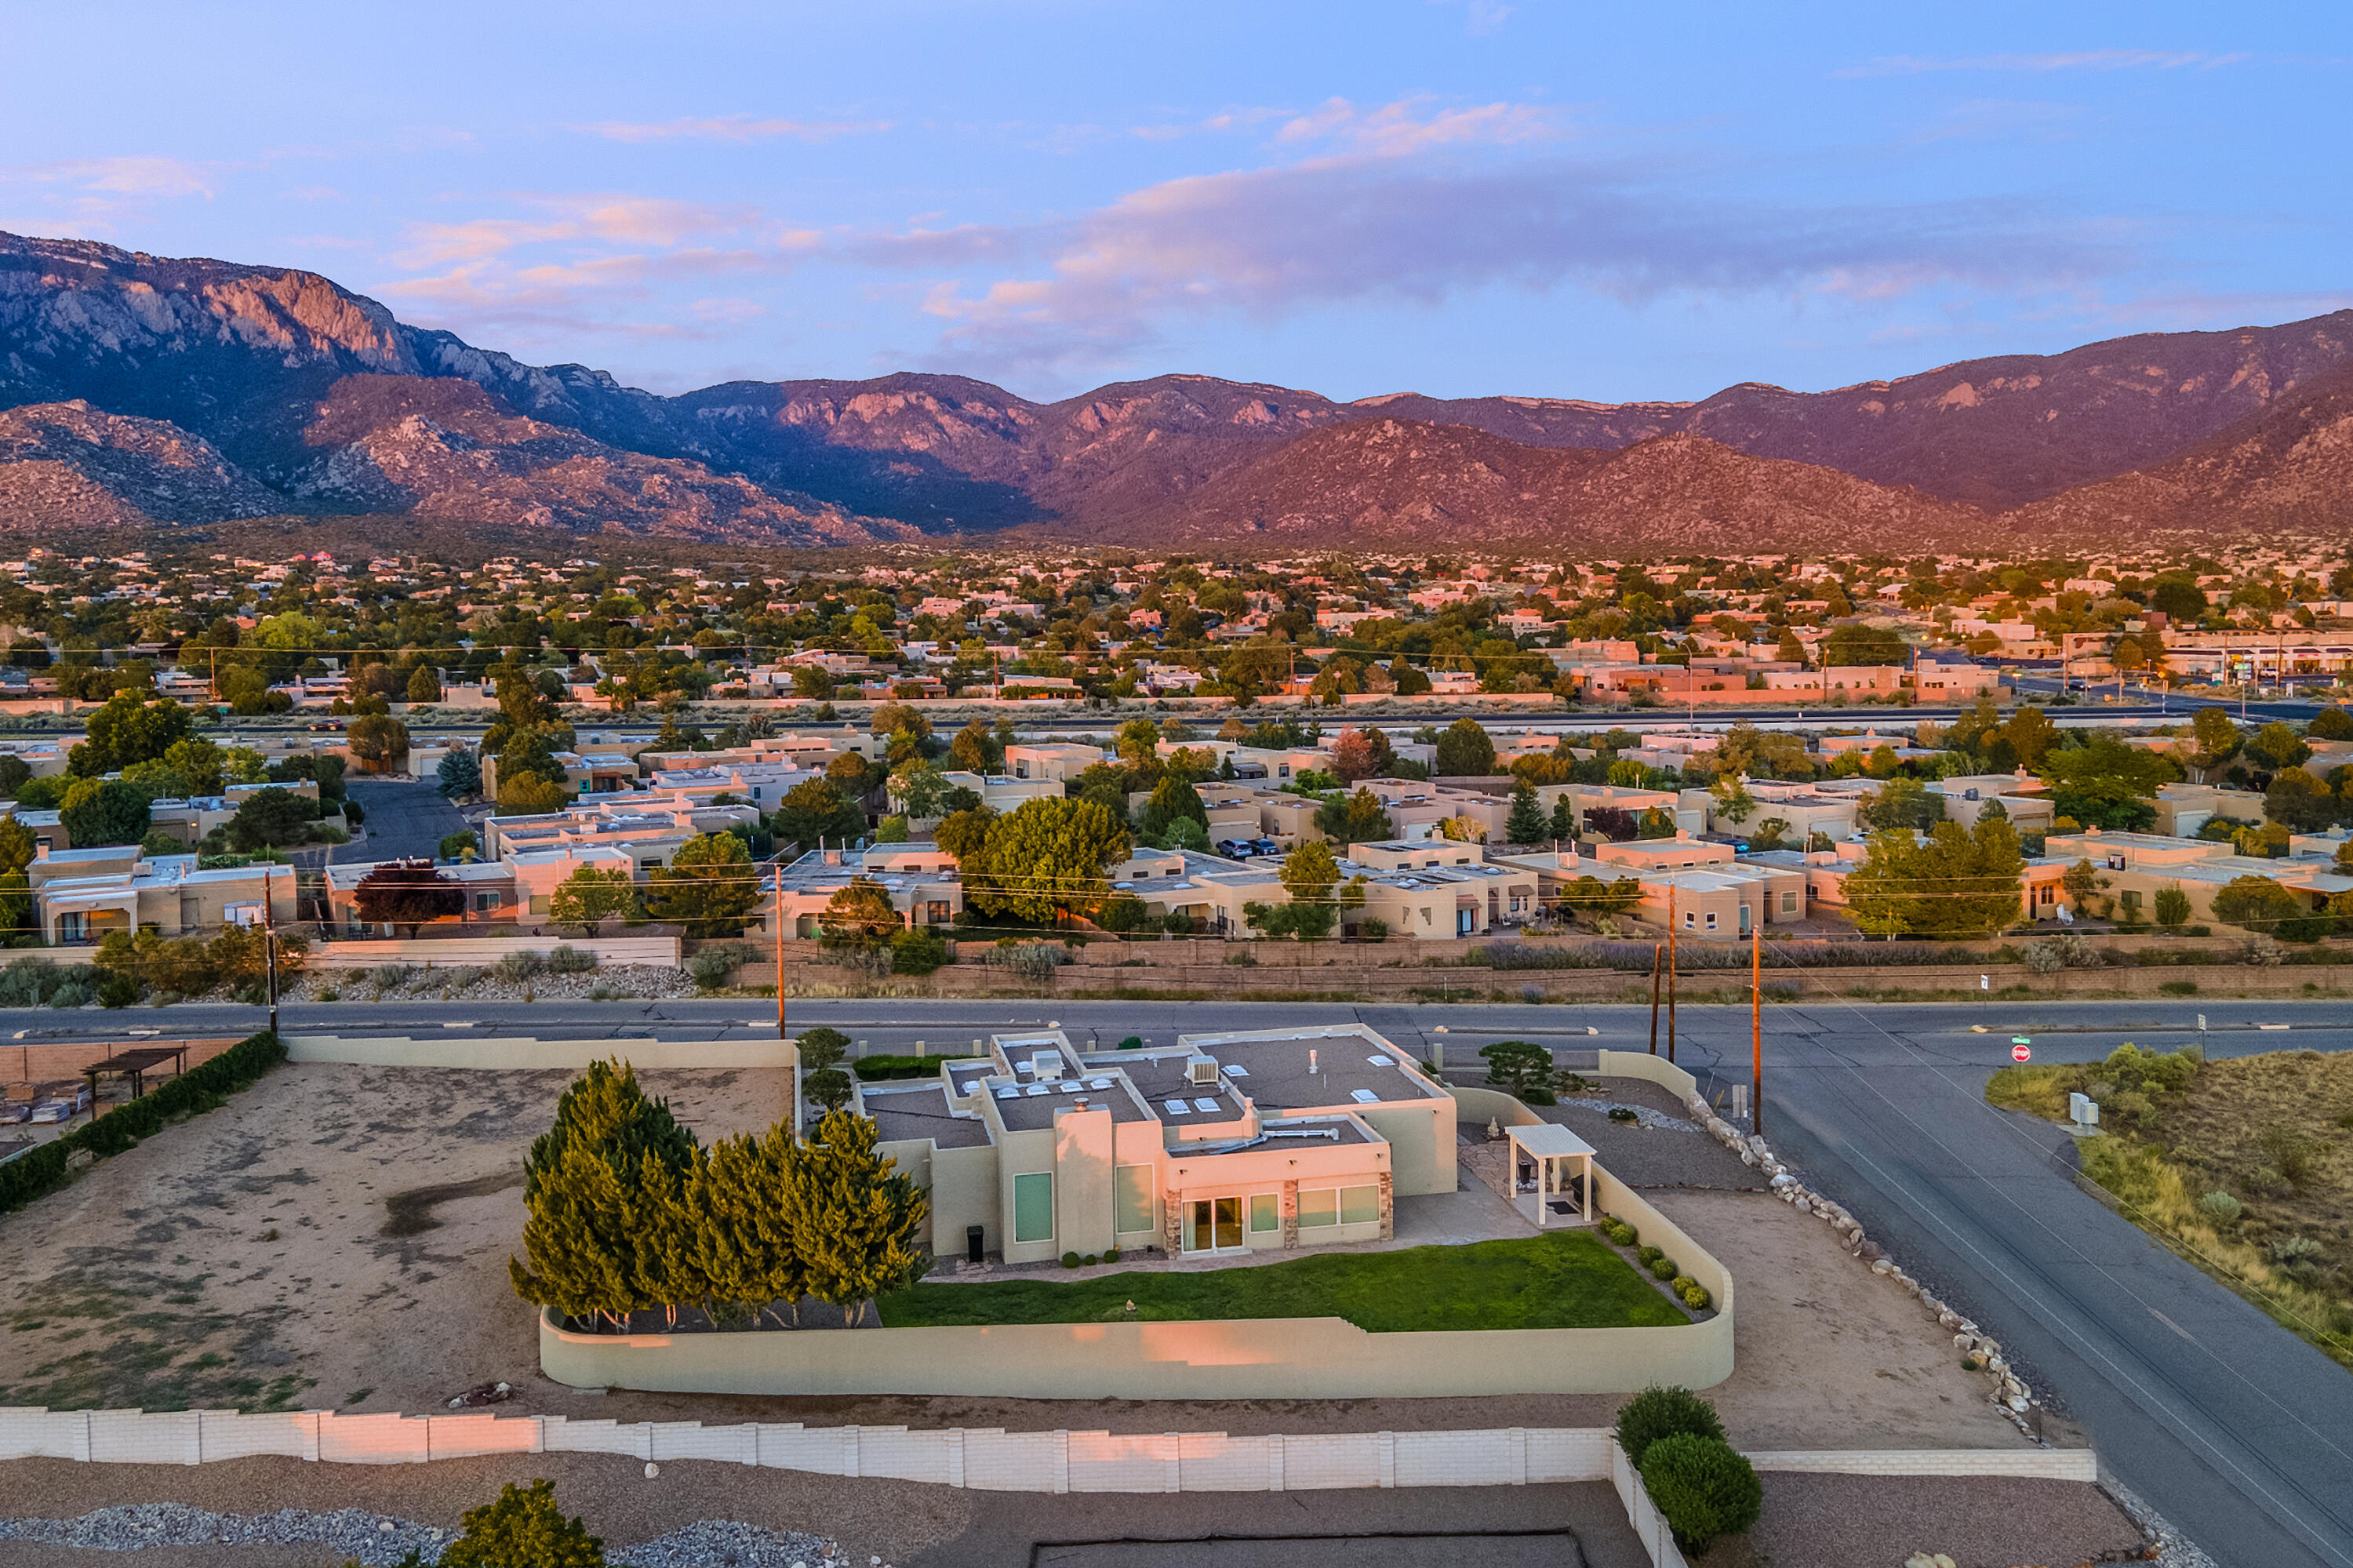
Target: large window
<point x="1135" y="1184"/>
<point x="1318" y="1208"/>
<point x="1265" y="1213"/>
<point x="1033" y="1207"/>
<point x="1359" y="1205"/>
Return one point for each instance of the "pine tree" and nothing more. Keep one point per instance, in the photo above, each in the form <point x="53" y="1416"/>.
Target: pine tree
<point x="664" y="1230"/>
<point x="1527" y="824"/>
<point x="859" y="1223"/>
<point x="746" y="1249"/>
<point x="524" y="1530"/>
<point x="1564" y="818"/>
<point x="577" y="1240"/>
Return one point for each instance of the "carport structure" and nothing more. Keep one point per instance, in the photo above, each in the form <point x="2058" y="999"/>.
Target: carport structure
<point x="1552" y="1175"/>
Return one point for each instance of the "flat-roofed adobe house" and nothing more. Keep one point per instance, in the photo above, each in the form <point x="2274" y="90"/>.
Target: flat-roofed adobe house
<point x="1268" y="1140"/>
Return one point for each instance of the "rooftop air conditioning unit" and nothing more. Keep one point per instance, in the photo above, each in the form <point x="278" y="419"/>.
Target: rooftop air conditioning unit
<point x="1046" y="1066"/>
<point x="1201" y="1070"/>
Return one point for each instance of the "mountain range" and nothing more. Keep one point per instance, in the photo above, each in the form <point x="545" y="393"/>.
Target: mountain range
<point x="138" y="391"/>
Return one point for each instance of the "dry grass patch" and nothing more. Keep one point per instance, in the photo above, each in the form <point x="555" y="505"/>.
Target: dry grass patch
<point x="2246" y="1168"/>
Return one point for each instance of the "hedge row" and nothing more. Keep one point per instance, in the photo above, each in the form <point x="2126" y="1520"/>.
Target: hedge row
<point x="200" y="1088"/>
<point x="879" y="1066"/>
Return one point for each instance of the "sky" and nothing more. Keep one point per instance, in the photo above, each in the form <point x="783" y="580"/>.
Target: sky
<point x="1456" y="198"/>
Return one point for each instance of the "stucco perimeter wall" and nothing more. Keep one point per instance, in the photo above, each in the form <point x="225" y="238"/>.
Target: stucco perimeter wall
<point x="446" y="952"/>
<point x="517" y="1053"/>
<point x="1261" y="1358"/>
<point x="1656" y="1069"/>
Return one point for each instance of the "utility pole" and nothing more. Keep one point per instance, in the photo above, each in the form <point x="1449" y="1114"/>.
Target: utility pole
<point x="1656" y="952"/>
<point x="1670" y="972"/>
<point x="776" y="921"/>
<point x="1757" y="1025"/>
<point x="269" y="944"/>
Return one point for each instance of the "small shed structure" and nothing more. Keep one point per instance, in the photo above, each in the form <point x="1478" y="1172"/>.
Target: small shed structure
<point x="1552" y="1175"/>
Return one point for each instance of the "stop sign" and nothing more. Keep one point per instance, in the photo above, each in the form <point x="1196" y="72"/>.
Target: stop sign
<point x="2022" y="1052"/>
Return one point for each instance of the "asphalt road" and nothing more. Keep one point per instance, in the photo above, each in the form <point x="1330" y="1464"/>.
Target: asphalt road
<point x="403" y="820"/>
<point x="2238" y="1431"/>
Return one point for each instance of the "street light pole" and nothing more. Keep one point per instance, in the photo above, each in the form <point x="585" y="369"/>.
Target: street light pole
<point x="1757" y="1025"/>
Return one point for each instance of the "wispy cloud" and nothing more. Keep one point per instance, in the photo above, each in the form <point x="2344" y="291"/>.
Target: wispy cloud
<point x="137" y="176"/>
<point x="733" y="128"/>
<point x="1480" y="16"/>
<point x="1338" y="230"/>
<point x="582" y="264"/>
<point x="2079" y="59"/>
<point x="1410" y="126"/>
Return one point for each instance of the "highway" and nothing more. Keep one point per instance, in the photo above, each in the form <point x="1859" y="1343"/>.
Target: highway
<point x="2239" y="1432"/>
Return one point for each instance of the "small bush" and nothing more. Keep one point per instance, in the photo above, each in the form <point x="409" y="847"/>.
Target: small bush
<point x="569" y="960"/>
<point x="1110" y="1254"/>
<point x="1622" y="1113"/>
<point x="1133" y="1042"/>
<point x="1089" y="1260"/>
<point x="1069" y="1260"/>
<point x="918" y="952"/>
<point x="2220" y="1205"/>
<point x="1664" y="1267"/>
<point x="1619" y="1232"/>
<point x="1372" y="929"/>
<point x="1703" y="1488"/>
<point x="2178" y="988"/>
<point x="1651" y="1255"/>
<point x="117" y="989"/>
<point x="516" y="968"/>
<point x="71" y="994"/>
<point x="385" y="977"/>
<point x="1660" y="1411"/>
<point x="1695" y="1297"/>
<point x="712" y="967"/>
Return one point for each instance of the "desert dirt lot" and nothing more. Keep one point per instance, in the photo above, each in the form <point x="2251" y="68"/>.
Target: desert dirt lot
<point x="337" y="1237"/>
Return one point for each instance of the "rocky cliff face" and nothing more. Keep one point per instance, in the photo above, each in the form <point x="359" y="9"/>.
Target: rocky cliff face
<point x="70" y="465"/>
<point x="308" y="397"/>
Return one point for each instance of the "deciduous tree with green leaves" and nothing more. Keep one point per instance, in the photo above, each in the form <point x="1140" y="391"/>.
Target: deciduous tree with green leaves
<point x="591" y="895"/>
<point x="1355" y="818"/>
<point x="818" y="812"/>
<point x="1045" y="859"/>
<point x="709" y="886"/>
<point x="1464" y="750"/>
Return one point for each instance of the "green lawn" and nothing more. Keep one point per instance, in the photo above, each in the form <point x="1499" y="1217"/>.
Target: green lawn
<point x="1559" y="1279"/>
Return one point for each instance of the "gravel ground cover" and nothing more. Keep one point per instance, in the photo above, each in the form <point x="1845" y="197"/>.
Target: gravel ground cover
<point x="381" y="1542"/>
<point x="1980" y="1522"/>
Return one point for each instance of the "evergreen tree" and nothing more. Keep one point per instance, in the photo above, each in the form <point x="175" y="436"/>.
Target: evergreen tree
<point x="576" y="1240"/>
<point x="859" y="1222"/>
<point x="1564" y="818"/>
<point x="524" y="1530"/>
<point x="461" y="773"/>
<point x="1527" y="824"/>
<point x="747" y="1250"/>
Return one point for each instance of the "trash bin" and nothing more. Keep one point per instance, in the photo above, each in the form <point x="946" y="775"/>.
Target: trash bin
<point x="972" y="1244"/>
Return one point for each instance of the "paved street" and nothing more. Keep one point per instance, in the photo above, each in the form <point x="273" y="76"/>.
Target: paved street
<point x="2234" y="1427"/>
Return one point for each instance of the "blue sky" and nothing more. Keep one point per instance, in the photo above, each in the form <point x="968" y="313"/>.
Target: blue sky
<point x="1450" y="196"/>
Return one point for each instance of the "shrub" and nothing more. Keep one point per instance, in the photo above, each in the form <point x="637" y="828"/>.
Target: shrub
<point x="1660" y="1412"/>
<point x="710" y="967"/>
<point x="2064" y="951"/>
<point x="1069" y="1260"/>
<point x="918" y="952"/>
<point x="1133" y="1042"/>
<point x="117" y="989"/>
<point x="1695" y="1297"/>
<point x="2178" y="988"/>
<point x="1372" y="929"/>
<point x="1089" y="1260"/>
<point x="1664" y="1267"/>
<point x="1110" y="1254"/>
<point x="570" y="960"/>
<point x="1651" y="1255"/>
<point x="1703" y="1488"/>
<point x="516" y="968"/>
<point x="2220" y="1205"/>
<point x="384" y="977"/>
<point x="70" y="992"/>
<point x="1619" y="1232"/>
<point x="1623" y="1113"/>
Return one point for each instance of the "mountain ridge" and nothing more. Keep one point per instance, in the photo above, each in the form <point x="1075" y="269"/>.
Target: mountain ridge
<point x="247" y="361"/>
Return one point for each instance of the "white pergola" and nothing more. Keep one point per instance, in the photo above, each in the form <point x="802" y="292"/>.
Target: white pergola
<point x="1552" y="1174"/>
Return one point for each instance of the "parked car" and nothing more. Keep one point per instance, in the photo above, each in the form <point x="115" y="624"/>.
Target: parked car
<point x="1235" y="849"/>
<point x="1266" y="846"/>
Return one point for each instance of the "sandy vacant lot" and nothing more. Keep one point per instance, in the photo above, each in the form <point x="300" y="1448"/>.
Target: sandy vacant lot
<point x="335" y="1236"/>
